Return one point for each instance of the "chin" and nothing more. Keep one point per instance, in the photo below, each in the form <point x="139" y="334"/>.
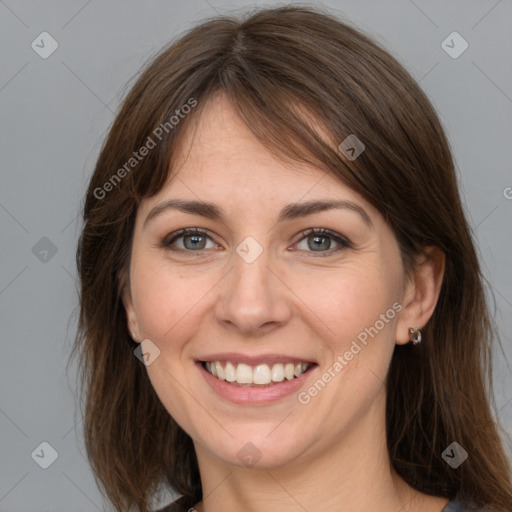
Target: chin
<point x="258" y="447"/>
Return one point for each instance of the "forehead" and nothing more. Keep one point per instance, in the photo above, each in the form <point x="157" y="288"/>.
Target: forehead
<point x="220" y="140"/>
<point x="220" y="160"/>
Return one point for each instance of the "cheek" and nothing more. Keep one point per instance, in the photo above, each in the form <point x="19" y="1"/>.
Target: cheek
<point x="357" y="311"/>
<point x="171" y="305"/>
<point x="167" y="312"/>
<point x="350" y="300"/>
<point x="161" y="297"/>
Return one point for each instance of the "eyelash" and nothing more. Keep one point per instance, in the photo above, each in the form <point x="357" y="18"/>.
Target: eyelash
<point x="343" y="242"/>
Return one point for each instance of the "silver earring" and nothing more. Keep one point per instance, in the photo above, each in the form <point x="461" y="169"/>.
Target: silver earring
<point x="414" y="335"/>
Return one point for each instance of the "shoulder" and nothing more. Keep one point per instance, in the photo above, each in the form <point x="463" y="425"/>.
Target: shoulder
<point x="174" y="507"/>
<point x="182" y="504"/>
<point x="453" y="506"/>
<point x="456" y="506"/>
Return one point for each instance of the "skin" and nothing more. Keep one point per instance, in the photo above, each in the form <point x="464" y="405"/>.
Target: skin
<point x="302" y="302"/>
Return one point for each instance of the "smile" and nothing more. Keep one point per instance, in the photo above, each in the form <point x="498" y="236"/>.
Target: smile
<point x="260" y="375"/>
<point x="255" y="379"/>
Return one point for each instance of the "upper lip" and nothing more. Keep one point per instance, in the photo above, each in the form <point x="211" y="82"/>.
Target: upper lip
<point x="253" y="360"/>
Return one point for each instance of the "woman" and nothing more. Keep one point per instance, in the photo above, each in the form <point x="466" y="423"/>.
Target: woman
<point x="281" y="304"/>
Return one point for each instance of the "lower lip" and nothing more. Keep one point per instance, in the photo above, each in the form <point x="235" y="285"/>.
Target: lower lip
<point x="254" y="395"/>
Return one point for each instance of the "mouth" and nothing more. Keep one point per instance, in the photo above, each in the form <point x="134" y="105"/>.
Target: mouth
<point x="259" y="375"/>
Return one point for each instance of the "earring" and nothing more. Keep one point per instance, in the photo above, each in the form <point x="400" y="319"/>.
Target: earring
<point x="133" y="335"/>
<point x="414" y="335"/>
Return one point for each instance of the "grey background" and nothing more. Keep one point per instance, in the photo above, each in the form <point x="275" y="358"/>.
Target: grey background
<point x="55" y="113"/>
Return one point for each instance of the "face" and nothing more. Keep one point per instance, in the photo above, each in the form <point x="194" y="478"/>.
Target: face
<point x="267" y="292"/>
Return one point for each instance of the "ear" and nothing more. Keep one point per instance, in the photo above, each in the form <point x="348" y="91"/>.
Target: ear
<point x="131" y="317"/>
<point x="421" y="292"/>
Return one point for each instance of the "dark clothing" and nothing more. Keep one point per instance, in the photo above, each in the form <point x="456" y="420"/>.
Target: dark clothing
<point x="453" y="506"/>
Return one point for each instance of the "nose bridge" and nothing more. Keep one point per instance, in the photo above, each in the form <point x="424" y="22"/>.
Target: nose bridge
<point x="252" y="296"/>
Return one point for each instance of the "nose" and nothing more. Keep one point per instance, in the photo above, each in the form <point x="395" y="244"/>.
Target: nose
<point x="253" y="298"/>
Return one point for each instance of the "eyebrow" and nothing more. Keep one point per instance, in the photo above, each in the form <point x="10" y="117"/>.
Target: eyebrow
<point x="289" y="212"/>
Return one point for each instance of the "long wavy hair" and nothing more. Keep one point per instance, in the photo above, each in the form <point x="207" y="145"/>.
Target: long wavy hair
<point x="283" y="68"/>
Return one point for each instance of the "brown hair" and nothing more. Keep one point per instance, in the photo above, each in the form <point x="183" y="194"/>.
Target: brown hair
<point x="283" y="67"/>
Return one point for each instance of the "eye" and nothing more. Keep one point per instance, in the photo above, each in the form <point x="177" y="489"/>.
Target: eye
<point x="320" y="240"/>
<point x="193" y="239"/>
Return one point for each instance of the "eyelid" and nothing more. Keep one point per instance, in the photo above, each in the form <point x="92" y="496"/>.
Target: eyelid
<point x="169" y="239"/>
<point x="343" y="241"/>
<point x="185" y="231"/>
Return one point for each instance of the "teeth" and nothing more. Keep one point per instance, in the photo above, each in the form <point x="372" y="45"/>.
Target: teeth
<point x="243" y="374"/>
<point x="219" y="371"/>
<point x="230" y="372"/>
<point x="278" y="372"/>
<point x="261" y="374"/>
